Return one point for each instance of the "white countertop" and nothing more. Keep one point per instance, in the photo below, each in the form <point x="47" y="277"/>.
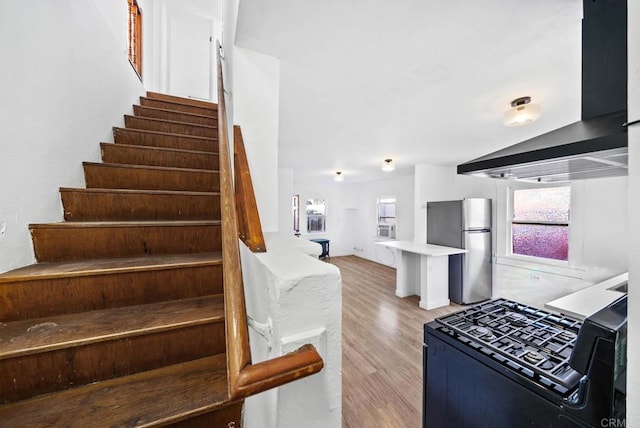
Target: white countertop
<point x="423" y="249"/>
<point x="589" y="300"/>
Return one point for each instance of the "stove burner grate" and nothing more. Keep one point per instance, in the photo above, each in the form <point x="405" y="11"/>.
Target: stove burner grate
<point x="535" y="339"/>
<point x="482" y="333"/>
<point x="533" y="357"/>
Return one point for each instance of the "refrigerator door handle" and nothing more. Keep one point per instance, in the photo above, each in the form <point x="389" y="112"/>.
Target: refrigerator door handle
<point x="476" y="230"/>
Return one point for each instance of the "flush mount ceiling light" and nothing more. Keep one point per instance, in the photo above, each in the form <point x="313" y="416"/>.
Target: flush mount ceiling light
<point x="338" y="176"/>
<point x="522" y="112"/>
<point x="388" y="165"/>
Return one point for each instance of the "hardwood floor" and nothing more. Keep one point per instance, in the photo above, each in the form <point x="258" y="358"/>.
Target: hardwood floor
<point x="381" y="347"/>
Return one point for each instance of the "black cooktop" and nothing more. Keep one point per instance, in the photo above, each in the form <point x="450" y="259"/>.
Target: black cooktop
<point x="535" y="342"/>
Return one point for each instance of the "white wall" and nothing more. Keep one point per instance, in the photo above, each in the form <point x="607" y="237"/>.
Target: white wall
<point x="339" y="214"/>
<point x="229" y="23"/>
<point x="598" y="244"/>
<point x="115" y="16"/>
<point x="598" y="235"/>
<point x="432" y="183"/>
<point x="65" y="82"/>
<point x="252" y="81"/>
<point x="256" y="87"/>
<point x="351" y="213"/>
<point x="439" y="183"/>
<point x="155" y="16"/>
<point x="362" y="215"/>
<point x="633" y="374"/>
<point x="285" y="198"/>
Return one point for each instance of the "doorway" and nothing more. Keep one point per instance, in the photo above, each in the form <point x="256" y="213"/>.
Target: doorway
<point x="188" y="54"/>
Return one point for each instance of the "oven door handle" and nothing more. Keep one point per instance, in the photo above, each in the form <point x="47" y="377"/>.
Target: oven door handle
<point x="579" y="397"/>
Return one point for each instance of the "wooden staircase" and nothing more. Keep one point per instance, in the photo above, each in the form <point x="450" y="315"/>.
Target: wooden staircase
<point x="124" y="320"/>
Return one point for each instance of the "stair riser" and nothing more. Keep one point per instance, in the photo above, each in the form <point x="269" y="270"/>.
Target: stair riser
<point x="150" y="102"/>
<point x="229" y="416"/>
<point x="113" y="177"/>
<point x="89" y="243"/>
<point x="143" y="111"/>
<point x="188" y="101"/>
<point x="174" y="128"/>
<point x="131" y="155"/>
<point x="23" y="300"/>
<point x="130" y="136"/>
<point x="86" y="206"/>
<point x="36" y="374"/>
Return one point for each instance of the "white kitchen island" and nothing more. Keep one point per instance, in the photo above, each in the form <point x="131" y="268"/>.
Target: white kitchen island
<point x="423" y="270"/>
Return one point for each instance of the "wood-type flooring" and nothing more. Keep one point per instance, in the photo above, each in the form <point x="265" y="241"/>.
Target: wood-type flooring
<point x="381" y="347"/>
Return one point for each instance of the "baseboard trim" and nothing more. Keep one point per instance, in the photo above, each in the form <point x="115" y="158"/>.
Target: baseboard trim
<point x="434" y="304"/>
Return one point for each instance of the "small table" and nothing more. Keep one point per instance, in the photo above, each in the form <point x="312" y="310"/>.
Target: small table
<point x="325" y="247"/>
<point x="424" y="271"/>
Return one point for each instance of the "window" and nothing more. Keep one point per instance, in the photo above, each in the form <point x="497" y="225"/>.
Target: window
<point x="316" y="215"/>
<point x="134" y="45"/>
<point x="386" y="218"/>
<point x="387" y="211"/>
<point x="540" y="222"/>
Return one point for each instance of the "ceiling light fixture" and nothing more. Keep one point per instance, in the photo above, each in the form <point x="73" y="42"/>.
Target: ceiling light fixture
<point x="388" y="165"/>
<point x="522" y="112"/>
<point x="338" y="176"/>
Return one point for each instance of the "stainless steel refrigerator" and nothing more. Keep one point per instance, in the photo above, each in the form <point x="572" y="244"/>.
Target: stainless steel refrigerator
<point x="464" y="224"/>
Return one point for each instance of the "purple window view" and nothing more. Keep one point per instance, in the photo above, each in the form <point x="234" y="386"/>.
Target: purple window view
<point x="540" y="226"/>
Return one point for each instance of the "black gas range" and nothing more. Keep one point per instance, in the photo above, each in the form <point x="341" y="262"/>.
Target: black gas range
<point x="505" y="364"/>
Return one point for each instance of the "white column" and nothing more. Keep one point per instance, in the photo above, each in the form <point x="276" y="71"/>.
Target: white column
<point x="302" y="297"/>
<point x="408" y="274"/>
<point x="434" y="282"/>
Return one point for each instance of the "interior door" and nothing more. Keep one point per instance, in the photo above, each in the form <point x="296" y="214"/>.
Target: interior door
<point x="189" y="55"/>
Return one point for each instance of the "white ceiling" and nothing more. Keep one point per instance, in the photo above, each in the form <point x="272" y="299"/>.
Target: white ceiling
<point x="419" y="81"/>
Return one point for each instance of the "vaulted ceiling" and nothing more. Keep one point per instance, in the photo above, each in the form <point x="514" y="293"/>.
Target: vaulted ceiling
<point x="419" y="81"/>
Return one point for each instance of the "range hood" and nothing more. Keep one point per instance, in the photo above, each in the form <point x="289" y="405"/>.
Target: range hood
<point x="596" y="146"/>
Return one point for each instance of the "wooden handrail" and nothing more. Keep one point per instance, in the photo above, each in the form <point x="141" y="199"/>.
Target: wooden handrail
<point x="246" y="379"/>
<point x="249" y="226"/>
<point x="260" y="377"/>
<point x="237" y="332"/>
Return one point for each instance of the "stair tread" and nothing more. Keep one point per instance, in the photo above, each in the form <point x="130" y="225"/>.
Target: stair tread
<point x="142" y="223"/>
<point x="203" y="116"/>
<point x="159" y="133"/>
<point x="33" y="336"/>
<point x="138" y="192"/>
<point x="46" y="270"/>
<point x="158" y="168"/>
<point x="174" y="105"/>
<point x="135" y="400"/>
<point x="175" y="122"/>
<point x="181" y="100"/>
<point x="164" y="149"/>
